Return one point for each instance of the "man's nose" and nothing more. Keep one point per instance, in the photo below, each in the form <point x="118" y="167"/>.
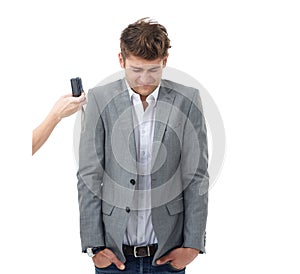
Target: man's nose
<point x="146" y="78"/>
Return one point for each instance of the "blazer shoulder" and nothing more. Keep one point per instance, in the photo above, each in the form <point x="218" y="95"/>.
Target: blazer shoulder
<point x="186" y="91"/>
<point x="112" y="87"/>
<point x="105" y="94"/>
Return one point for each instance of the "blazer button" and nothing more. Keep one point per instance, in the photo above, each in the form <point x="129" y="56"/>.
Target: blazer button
<point x="127" y="209"/>
<point x="132" y="181"/>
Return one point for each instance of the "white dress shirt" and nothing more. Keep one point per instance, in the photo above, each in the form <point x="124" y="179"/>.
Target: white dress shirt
<point x="139" y="228"/>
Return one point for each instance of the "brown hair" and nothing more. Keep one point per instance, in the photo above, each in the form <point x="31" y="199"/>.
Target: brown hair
<point x="146" y="39"/>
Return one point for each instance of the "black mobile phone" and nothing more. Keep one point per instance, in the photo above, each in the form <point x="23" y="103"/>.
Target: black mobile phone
<point x="76" y="85"/>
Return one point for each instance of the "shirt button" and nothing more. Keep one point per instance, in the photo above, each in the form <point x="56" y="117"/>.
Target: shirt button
<point x="127" y="209"/>
<point x="132" y="181"/>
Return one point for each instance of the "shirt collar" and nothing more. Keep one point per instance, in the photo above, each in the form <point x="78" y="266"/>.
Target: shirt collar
<point x="133" y="95"/>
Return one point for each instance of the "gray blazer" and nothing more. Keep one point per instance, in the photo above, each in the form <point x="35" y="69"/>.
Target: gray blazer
<point x="107" y="169"/>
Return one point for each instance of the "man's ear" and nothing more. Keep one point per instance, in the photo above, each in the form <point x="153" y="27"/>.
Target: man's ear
<point x="121" y="60"/>
<point x="165" y="61"/>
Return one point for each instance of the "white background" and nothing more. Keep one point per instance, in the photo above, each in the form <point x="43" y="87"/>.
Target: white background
<point x="245" y="53"/>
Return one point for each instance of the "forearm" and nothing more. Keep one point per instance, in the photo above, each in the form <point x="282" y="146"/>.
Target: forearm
<point x="91" y="226"/>
<point x="196" y="211"/>
<point x="89" y="185"/>
<point x="43" y="131"/>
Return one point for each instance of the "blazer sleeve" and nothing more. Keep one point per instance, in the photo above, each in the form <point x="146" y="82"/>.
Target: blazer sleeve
<point x="195" y="176"/>
<point x="90" y="174"/>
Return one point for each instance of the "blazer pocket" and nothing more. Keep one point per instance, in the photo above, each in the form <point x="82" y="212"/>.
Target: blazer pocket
<point x="107" y="209"/>
<point x="172" y="128"/>
<point x="175" y="207"/>
<point x="177" y="125"/>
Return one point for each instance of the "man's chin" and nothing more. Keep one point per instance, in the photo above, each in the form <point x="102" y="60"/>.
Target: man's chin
<point x="144" y="90"/>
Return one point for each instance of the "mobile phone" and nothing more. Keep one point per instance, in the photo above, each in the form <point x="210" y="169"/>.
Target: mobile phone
<point x="76" y="85"/>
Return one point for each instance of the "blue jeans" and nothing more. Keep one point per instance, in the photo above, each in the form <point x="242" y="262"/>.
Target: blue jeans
<point x="139" y="266"/>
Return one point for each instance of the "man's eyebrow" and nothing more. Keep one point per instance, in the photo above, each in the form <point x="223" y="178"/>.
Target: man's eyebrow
<point x="136" y="67"/>
<point x="142" y="67"/>
<point x="156" y="67"/>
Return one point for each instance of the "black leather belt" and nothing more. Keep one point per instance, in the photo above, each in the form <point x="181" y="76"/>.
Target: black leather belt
<point x="140" y="251"/>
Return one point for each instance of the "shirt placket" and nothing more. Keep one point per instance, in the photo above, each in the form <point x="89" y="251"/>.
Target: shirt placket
<point x="144" y="197"/>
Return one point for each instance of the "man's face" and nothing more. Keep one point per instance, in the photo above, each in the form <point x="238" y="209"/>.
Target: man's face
<point x="143" y="76"/>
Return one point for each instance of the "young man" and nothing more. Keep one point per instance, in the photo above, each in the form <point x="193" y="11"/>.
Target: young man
<point x="142" y="178"/>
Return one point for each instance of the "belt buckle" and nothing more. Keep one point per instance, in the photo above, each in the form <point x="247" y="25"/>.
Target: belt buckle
<point x="139" y="246"/>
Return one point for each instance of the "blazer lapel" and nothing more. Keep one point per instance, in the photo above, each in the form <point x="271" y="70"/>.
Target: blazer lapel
<point x="163" y="110"/>
<point x="125" y="123"/>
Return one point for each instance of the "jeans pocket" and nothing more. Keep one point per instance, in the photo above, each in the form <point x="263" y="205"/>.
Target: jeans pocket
<point x="106" y="267"/>
<point x="173" y="269"/>
<point x="111" y="269"/>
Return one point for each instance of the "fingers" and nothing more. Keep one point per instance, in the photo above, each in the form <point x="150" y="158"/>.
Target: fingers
<point x="101" y="261"/>
<point x="170" y="258"/>
<point x="82" y="97"/>
<point x="113" y="258"/>
<point x="81" y="100"/>
<point x="179" y="257"/>
<point x="77" y="102"/>
<point x="165" y="259"/>
<point x="67" y="95"/>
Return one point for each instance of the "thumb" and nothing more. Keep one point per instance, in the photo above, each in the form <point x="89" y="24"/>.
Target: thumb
<point x="163" y="259"/>
<point x="119" y="265"/>
<point x="113" y="258"/>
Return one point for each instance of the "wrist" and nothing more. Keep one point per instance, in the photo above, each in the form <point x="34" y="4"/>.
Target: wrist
<point x="92" y="251"/>
<point x="55" y="116"/>
<point x="192" y="251"/>
<point x="191" y="248"/>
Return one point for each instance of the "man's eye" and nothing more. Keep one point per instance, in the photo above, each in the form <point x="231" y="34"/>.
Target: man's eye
<point x="136" y="70"/>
